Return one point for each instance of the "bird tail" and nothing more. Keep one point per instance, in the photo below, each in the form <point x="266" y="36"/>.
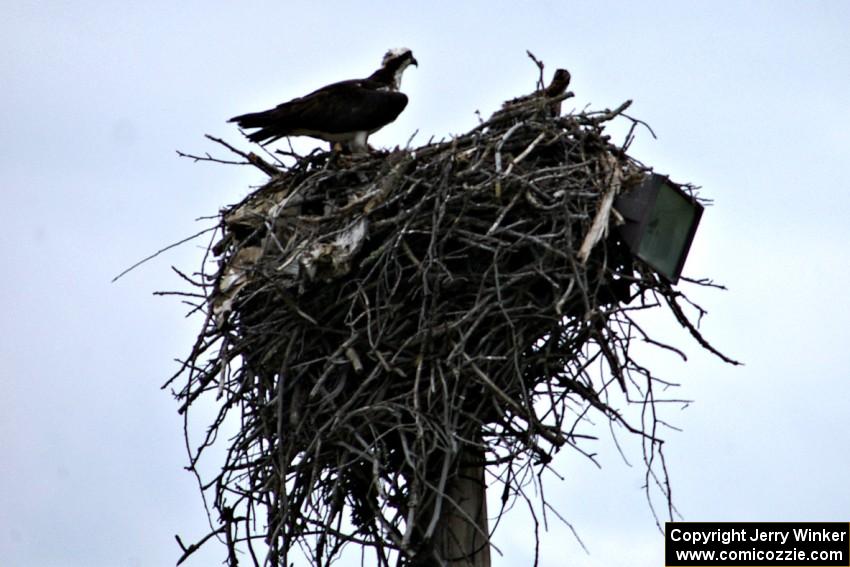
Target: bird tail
<point x="251" y="120"/>
<point x="255" y="120"/>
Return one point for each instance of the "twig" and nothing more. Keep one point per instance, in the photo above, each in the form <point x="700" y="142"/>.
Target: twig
<point x="160" y="251"/>
<point x="540" y="83"/>
<point x="251" y="157"/>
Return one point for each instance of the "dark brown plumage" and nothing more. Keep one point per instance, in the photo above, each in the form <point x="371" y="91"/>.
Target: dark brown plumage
<point x="559" y="84"/>
<point x="346" y="112"/>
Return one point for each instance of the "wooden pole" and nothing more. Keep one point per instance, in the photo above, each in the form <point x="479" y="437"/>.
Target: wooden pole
<point x="462" y="536"/>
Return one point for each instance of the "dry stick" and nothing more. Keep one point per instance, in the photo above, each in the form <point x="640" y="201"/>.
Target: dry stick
<point x="683" y="320"/>
<point x="540" y="83"/>
<point x="555" y="438"/>
<point x="599" y="228"/>
<point x="524" y="153"/>
<point x="187" y="551"/>
<point x="251" y="157"/>
<point x="158" y="252"/>
<point x="498" y="157"/>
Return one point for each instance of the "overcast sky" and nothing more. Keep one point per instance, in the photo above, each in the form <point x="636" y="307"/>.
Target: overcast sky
<point x="749" y="101"/>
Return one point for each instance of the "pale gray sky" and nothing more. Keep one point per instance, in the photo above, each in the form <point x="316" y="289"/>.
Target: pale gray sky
<point x="749" y="100"/>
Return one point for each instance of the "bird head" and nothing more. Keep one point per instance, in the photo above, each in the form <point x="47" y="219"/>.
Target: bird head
<point x="394" y="63"/>
<point x="559" y="84"/>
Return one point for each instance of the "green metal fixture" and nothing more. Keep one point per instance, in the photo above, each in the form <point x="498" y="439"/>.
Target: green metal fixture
<point x="661" y="220"/>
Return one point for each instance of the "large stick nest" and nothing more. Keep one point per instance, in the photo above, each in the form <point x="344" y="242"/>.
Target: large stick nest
<point x="375" y="322"/>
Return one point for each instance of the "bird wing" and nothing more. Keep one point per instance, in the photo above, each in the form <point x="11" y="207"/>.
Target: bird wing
<point x="337" y="109"/>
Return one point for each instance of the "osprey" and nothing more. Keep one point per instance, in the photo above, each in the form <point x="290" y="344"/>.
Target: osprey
<point x="558" y="86"/>
<point x="345" y="112"/>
